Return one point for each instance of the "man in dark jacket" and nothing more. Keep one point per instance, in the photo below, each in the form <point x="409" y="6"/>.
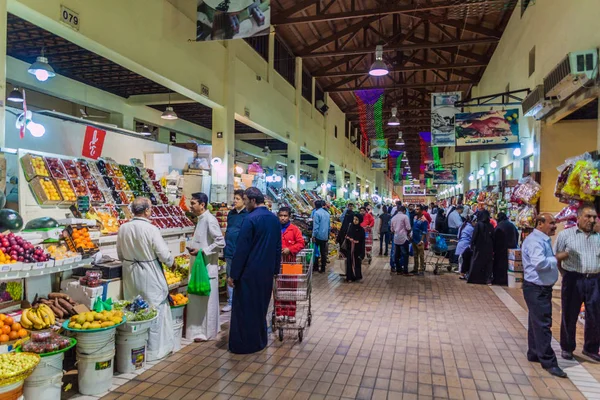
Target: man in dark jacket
<point x="234" y="223"/>
<point x="384" y="230"/>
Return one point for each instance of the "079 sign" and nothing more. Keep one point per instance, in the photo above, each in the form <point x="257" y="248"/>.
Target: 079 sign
<point x="69" y="17"/>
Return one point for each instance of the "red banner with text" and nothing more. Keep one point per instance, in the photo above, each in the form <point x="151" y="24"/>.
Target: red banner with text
<point x="93" y="142"/>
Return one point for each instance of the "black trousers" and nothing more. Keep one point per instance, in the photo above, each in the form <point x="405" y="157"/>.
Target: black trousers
<point x="401" y="254"/>
<point x="576" y="289"/>
<point x="384" y="238"/>
<point x="539" y="332"/>
<point x="323" y="255"/>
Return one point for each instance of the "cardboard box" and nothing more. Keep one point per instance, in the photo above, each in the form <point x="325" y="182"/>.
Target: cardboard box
<point x="514" y="254"/>
<point x="516" y="266"/>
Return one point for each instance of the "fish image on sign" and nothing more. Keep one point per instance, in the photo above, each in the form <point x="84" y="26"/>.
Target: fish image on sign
<point x="232" y="19"/>
<point x="445" y="177"/>
<point x="442" y="118"/>
<point x="487" y="130"/>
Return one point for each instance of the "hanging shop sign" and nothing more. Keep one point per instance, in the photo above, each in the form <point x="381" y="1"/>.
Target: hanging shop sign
<point x="442" y="118"/>
<point x="487" y="130"/>
<point x="93" y="142"/>
<point x="378" y="154"/>
<point x="413" y="190"/>
<point x="232" y="19"/>
<point x="445" y="177"/>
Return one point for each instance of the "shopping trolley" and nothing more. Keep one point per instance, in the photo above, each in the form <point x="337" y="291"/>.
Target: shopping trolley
<point x="440" y="247"/>
<point x="369" y="243"/>
<point x="292" y="294"/>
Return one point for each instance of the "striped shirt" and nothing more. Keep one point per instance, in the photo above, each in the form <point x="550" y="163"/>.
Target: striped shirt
<point x="583" y="249"/>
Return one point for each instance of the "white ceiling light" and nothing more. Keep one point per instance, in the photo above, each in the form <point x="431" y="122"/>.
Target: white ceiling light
<point x="471" y="177"/>
<point x="41" y="69"/>
<point x="399" y="141"/>
<point x="481" y="172"/>
<point x="145" y="131"/>
<point x="169" y="114"/>
<point x="394" y="121"/>
<point x="517" y="152"/>
<point x="15" y="96"/>
<point x="494" y="163"/>
<point x="379" y="67"/>
<point x="266" y="150"/>
<point x="302" y="181"/>
<point x="239" y="170"/>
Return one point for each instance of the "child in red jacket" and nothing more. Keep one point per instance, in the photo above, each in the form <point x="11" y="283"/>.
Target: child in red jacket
<point x="291" y="244"/>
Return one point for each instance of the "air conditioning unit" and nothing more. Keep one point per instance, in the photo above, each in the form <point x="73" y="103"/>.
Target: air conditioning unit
<point x="536" y="105"/>
<point x="573" y="72"/>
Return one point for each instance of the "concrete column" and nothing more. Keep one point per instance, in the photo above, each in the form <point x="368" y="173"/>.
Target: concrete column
<point x="339" y="181"/>
<point x="271" y="60"/>
<point x="293" y="168"/>
<point x="323" y="172"/>
<point x="223" y="134"/>
<point x="2" y="71"/>
<point x="352" y="185"/>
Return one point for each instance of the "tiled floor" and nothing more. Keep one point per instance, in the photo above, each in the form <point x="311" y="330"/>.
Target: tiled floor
<point x="388" y="337"/>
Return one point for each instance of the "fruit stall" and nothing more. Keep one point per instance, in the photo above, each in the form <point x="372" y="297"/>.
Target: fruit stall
<point x="60" y="280"/>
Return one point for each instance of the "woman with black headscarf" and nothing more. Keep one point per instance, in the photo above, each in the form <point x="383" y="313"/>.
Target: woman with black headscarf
<point x="506" y="237"/>
<point x="482" y="245"/>
<point x="355" y="249"/>
<point x="346" y="223"/>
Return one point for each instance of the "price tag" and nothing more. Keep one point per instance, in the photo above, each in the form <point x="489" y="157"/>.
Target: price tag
<point x="39" y="265"/>
<point x="69" y="17"/>
<point x="5" y="268"/>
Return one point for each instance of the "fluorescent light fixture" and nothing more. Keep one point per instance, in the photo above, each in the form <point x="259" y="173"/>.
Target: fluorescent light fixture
<point x="169" y="114"/>
<point x="41" y="69"/>
<point x="379" y="67"/>
<point x="15" y="96"/>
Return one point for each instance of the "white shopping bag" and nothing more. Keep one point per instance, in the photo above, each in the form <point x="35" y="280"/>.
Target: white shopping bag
<point x="339" y="266"/>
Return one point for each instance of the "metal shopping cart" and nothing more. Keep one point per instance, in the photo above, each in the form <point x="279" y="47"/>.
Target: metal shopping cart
<point x="441" y="246"/>
<point x="369" y="243"/>
<point x="292" y="294"/>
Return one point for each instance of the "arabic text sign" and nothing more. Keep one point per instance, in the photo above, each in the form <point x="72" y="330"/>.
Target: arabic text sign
<point x="93" y="142"/>
<point x="232" y="19"/>
<point x="413" y="190"/>
<point x="442" y="118"/>
<point x="380" y="165"/>
<point x="487" y="129"/>
<point x="445" y="177"/>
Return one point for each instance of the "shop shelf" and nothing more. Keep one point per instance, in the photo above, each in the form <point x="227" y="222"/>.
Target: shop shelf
<point x="20" y="274"/>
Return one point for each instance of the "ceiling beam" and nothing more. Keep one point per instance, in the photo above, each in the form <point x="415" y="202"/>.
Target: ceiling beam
<point x="338" y="35"/>
<point x="400" y="109"/>
<point x="420" y="67"/>
<point x="163" y="98"/>
<point x="404" y="47"/>
<point x="295" y="9"/>
<point x="401" y="86"/>
<point x="384" y="10"/>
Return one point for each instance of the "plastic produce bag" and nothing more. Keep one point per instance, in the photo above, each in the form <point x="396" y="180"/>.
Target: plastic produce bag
<point x="526" y="217"/>
<point x="590" y="180"/>
<point x="528" y="191"/>
<point x="572" y="189"/>
<point x="440" y="244"/>
<point x="564" y="172"/>
<point x="199" y="281"/>
<point x="569" y="213"/>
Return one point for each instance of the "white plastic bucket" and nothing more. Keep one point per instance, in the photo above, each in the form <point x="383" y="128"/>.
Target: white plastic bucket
<point x="131" y="351"/>
<point x="92" y="342"/>
<point x="515" y="279"/>
<point x="95" y="371"/>
<point x="46" y="380"/>
<point x="178" y="333"/>
<point x="45" y="389"/>
<point x="177" y="315"/>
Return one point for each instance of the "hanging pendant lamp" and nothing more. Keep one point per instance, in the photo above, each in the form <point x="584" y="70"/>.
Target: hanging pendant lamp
<point x="379" y="67"/>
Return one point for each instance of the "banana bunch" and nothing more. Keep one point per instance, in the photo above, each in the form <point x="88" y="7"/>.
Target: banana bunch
<point x="38" y="318"/>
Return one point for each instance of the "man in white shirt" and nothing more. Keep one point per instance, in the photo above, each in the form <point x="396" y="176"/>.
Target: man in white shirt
<point x="455" y="220"/>
<point x="401" y="228"/>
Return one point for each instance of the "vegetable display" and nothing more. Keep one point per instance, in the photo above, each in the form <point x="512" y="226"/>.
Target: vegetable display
<point x="95" y="320"/>
<point x="14" y="365"/>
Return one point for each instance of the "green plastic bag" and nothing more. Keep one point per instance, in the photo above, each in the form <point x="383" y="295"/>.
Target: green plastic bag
<point x="199" y="281"/>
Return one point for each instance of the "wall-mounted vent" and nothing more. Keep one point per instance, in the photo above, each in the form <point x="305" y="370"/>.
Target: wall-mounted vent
<point x="536" y="105"/>
<point x="574" y="71"/>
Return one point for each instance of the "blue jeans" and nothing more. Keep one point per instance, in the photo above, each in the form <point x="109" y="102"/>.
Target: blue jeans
<point x="401" y="256"/>
<point x="384" y="238"/>
<point x="229" y="288"/>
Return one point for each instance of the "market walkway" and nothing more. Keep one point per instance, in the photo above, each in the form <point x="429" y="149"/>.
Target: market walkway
<point x="387" y="337"/>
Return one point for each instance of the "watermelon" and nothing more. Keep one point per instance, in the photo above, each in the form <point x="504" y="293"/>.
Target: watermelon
<point x="41" y="223"/>
<point x="10" y="220"/>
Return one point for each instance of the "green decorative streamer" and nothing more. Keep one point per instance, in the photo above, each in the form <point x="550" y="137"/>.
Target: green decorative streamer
<point x="378" y="115"/>
<point x="436" y="158"/>
<point x="397" y="174"/>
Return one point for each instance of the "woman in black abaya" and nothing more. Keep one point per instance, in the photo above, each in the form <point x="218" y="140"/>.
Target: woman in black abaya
<point x="506" y="237"/>
<point x="355" y="248"/>
<point x="482" y="245"/>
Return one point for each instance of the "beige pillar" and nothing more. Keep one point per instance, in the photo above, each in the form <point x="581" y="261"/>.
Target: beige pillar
<point x="2" y="71"/>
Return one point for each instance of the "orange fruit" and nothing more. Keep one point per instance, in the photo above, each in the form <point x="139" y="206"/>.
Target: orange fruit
<point x="4" y="338"/>
<point x="1" y="324"/>
<point x="16" y="326"/>
<point x="22" y="333"/>
<point x="6" y="329"/>
<point x="13" y="335"/>
<point x="2" y="317"/>
<point x="8" y="321"/>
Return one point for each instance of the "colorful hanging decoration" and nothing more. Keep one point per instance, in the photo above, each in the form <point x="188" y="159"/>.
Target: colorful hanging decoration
<point x="370" y="111"/>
